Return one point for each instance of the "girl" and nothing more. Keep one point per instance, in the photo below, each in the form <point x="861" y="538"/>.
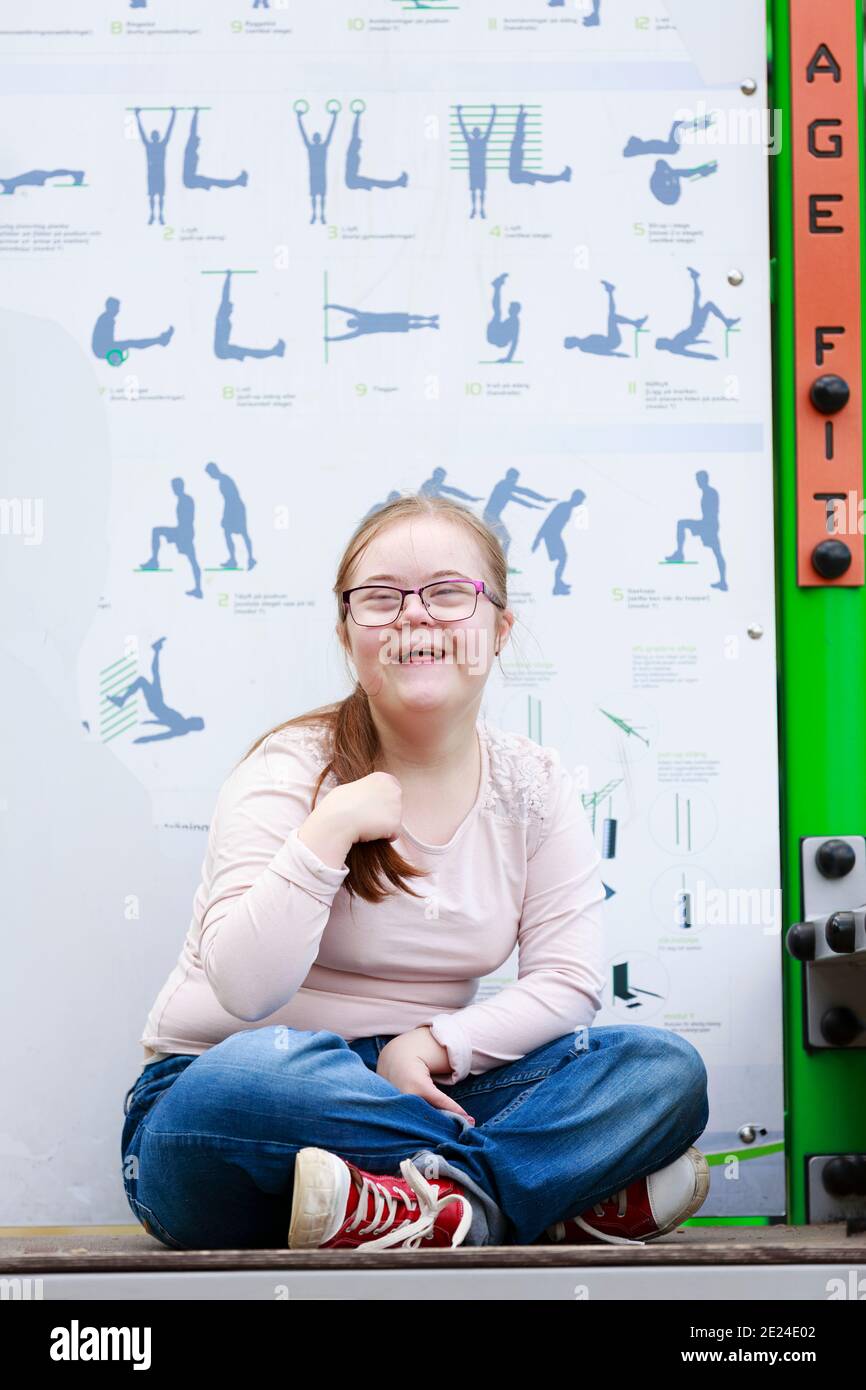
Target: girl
<point x="317" y="1072"/>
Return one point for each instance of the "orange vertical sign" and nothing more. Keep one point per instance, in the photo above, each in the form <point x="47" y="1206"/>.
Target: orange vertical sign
<point x="826" y="221"/>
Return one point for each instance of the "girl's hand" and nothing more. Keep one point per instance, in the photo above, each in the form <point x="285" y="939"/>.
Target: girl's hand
<point x="368" y="809"/>
<point x="406" y="1062"/>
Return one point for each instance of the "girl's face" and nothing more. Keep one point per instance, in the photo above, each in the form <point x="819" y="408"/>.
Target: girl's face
<point x="406" y="555"/>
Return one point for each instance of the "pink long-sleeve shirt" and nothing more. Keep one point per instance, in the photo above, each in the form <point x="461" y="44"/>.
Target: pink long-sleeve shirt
<point x="276" y="939"/>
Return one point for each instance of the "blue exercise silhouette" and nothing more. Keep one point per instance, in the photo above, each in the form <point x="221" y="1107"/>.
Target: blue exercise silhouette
<point x="234" y="518"/>
<point x="155" y="150"/>
<point x="435" y="486"/>
<point x="179" y="535"/>
<point x="104" y="342"/>
<point x="317" y="152"/>
<point x="476" y="146"/>
<point x="706" y="528"/>
<point x="505" y="491"/>
<point x="223" y="327"/>
<point x="671" y="144"/>
<point x="504" y="332"/>
<point x="516" y="171"/>
<point x="354" y="177"/>
<point x="588" y="19"/>
<point x="606" y="344"/>
<point x="682" y="341"/>
<point x="191" y="177"/>
<point x="176" y="724"/>
<point x="550" y="532"/>
<point x="365" y="321"/>
<point x="36" y="178"/>
<point x="665" y="180"/>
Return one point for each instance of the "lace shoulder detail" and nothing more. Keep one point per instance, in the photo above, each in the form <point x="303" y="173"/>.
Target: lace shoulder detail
<point x="520" y="777"/>
<point x="310" y="740"/>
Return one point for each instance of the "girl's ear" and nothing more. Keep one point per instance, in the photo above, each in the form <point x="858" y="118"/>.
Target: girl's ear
<point x="501" y="638"/>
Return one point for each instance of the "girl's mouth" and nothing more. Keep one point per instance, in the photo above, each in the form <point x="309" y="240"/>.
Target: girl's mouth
<point x="426" y="657"/>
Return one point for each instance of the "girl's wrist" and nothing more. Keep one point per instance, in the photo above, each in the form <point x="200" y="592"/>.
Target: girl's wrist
<point x="327" y="837"/>
<point x="435" y="1054"/>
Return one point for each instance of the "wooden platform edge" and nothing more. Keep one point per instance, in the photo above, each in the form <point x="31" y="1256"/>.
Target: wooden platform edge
<point x="850" y="1253"/>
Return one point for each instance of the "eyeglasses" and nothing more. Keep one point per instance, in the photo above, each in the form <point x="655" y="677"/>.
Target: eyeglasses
<point x="446" y="600"/>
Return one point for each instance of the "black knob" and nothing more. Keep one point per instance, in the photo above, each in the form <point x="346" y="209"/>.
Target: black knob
<point x="858" y="1165"/>
<point x="840" y="1026"/>
<point x="839" y="931"/>
<point x="845" y="1175"/>
<point x="829" y="393"/>
<point x="835" y="858"/>
<point x="800" y="940"/>
<point x="831" y="558"/>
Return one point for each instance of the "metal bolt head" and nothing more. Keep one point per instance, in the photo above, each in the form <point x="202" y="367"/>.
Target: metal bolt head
<point x="829" y="393"/>
<point x="831" y="558"/>
<point x="835" y="858"/>
<point x="749" y="86"/>
<point x="755" y="631"/>
<point x="735" y="277"/>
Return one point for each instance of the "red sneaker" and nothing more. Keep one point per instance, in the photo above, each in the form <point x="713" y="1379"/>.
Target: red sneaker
<point x="336" y="1205"/>
<point x="645" y="1210"/>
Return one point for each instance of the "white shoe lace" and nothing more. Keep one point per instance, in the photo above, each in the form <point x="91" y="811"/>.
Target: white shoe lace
<point x="426" y="1201"/>
<point x="557" y="1230"/>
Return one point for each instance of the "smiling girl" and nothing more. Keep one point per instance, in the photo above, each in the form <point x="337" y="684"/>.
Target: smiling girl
<point x="319" y="1072"/>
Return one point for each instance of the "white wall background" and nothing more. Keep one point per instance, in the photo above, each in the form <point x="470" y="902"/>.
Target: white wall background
<point x="643" y="674"/>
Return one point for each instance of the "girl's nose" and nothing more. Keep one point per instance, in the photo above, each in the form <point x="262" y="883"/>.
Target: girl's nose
<point x="413" y="607"/>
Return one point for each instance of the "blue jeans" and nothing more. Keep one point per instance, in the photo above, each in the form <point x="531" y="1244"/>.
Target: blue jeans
<point x="209" y="1141"/>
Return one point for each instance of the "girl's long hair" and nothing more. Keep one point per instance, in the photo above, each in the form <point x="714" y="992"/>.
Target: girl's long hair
<point x="352" y="741"/>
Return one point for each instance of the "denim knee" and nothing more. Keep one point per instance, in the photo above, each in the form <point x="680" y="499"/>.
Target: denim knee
<point x="688" y="1076"/>
<point x="695" y="1071"/>
<point x="255" y="1061"/>
<point x="677" y="1064"/>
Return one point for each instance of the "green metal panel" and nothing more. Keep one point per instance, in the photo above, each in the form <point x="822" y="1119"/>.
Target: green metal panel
<point x="821" y="653"/>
